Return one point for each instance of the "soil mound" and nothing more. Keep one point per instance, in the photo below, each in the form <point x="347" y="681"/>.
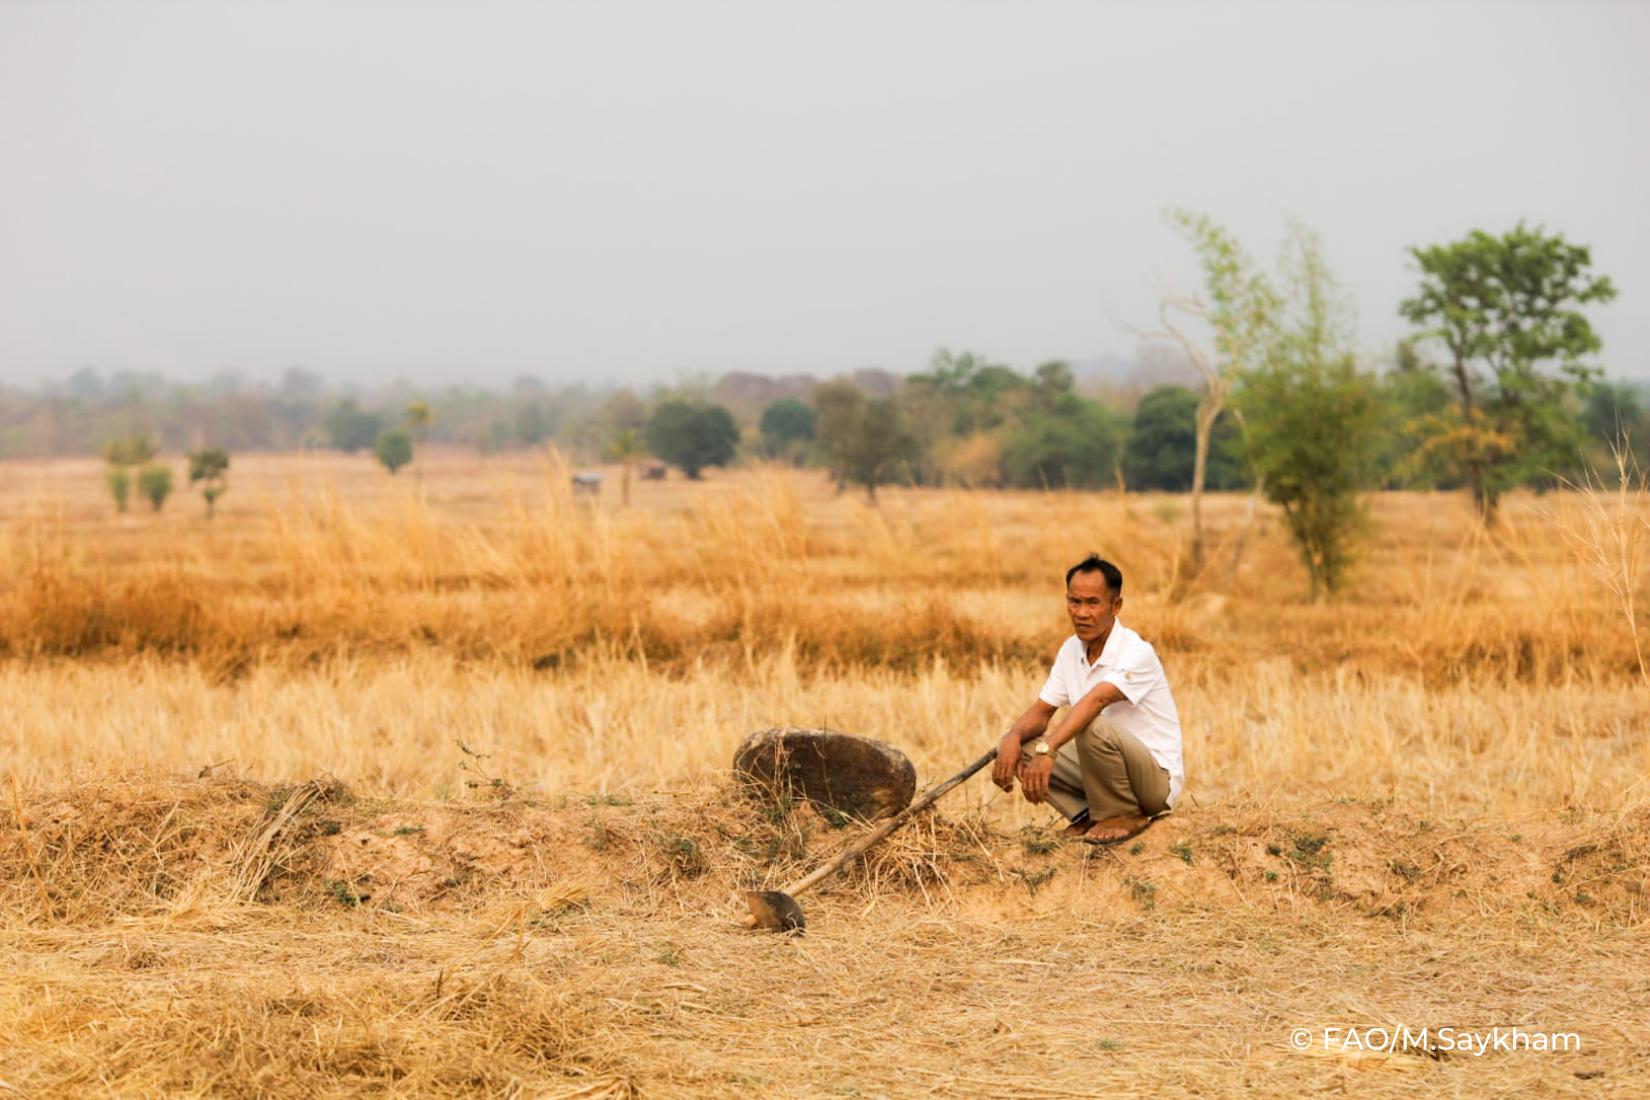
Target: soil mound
<point x="142" y="847"/>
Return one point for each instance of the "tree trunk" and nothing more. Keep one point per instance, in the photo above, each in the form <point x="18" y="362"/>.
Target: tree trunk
<point x="1485" y="497"/>
<point x="1242" y="540"/>
<point x="624" y="485"/>
<point x="1208" y="410"/>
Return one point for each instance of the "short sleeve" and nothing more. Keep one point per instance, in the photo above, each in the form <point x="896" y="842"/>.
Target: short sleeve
<point x="1136" y="673"/>
<point x="1055" y="693"/>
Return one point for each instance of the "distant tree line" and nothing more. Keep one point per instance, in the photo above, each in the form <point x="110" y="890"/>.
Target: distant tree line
<point x="963" y="421"/>
<point x="1495" y="390"/>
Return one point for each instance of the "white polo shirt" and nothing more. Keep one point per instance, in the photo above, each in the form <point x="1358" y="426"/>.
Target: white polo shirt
<point x="1147" y="708"/>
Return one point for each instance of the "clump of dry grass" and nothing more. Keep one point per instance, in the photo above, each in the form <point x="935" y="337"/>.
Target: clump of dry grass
<point x="174" y="1024"/>
<point x="1609" y="531"/>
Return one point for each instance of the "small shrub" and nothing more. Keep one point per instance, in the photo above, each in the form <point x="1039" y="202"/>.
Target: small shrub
<point x="598" y="837"/>
<point x="344" y="893"/>
<point x="129" y="450"/>
<point x="393" y="449"/>
<point x="120" y="486"/>
<point x="1309" y="850"/>
<point x="209" y="466"/>
<point x="1036" y="880"/>
<point x="1144" y="893"/>
<point x="683" y="854"/>
<point x="1039" y="845"/>
<point x="154" y="481"/>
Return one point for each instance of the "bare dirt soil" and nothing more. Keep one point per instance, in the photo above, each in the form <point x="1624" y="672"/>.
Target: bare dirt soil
<point x="224" y="937"/>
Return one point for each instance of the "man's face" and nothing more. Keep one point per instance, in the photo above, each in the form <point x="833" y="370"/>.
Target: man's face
<point x="1091" y="605"/>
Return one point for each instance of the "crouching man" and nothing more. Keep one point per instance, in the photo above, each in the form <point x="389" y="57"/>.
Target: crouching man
<point x="1114" y="761"/>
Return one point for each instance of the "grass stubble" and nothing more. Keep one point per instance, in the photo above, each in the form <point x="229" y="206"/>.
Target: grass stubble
<point x="248" y="856"/>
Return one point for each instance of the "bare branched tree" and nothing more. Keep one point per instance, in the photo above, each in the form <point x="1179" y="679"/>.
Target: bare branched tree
<point x="1241" y="313"/>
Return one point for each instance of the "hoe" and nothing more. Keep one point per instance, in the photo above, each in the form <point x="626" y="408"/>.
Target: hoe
<point x="777" y="910"/>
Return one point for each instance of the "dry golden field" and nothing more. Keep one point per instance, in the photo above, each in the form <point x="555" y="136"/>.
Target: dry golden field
<point x="245" y="853"/>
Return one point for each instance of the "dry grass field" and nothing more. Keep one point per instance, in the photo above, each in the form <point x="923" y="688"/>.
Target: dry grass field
<point x="417" y="786"/>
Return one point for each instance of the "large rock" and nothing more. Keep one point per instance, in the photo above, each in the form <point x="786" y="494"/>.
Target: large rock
<point x="838" y="771"/>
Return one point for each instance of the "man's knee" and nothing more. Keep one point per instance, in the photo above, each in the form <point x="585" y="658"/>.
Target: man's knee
<point x="1102" y="734"/>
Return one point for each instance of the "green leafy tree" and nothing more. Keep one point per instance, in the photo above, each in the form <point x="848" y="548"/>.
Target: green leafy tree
<point x="1161" y="451"/>
<point x="121" y="454"/>
<point x="1050" y="381"/>
<point x="419" y="418"/>
<point x="787" y="426"/>
<point x="692" y="435"/>
<point x="209" y="468"/>
<point x="154" y="483"/>
<point x="119" y="481"/>
<point x="129" y="450"/>
<point x="1615" y="419"/>
<point x="1505" y="310"/>
<point x="393" y="449"/>
<point x="839" y="412"/>
<point x="875" y="445"/>
<point x="1412" y="398"/>
<point x="624" y="410"/>
<point x="532" y="427"/>
<point x="349" y="428"/>
<point x="1311" y="420"/>
<point x="626" y="447"/>
<point x="1071" y="444"/>
<point x="1241" y="313"/>
<point x="968" y="391"/>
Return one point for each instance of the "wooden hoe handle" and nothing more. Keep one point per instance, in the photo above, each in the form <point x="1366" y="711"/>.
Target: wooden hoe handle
<point x="886" y="829"/>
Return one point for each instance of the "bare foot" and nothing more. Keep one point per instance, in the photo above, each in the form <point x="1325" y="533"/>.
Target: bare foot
<point x="1078" y="827"/>
<point x="1114" y="829"/>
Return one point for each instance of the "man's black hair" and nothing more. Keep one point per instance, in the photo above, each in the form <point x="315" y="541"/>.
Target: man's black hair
<point x="1094" y="563"/>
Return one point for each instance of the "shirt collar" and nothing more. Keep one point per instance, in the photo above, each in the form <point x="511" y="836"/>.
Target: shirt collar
<point x="1109" y="650"/>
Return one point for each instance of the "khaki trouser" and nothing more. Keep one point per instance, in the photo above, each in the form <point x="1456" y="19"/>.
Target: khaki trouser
<point x="1109" y="773"/>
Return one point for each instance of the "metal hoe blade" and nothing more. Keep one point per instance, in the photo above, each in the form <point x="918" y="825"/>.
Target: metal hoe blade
<point x="775" y="911"/>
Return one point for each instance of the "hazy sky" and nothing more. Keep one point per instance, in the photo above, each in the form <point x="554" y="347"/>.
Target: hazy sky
<point x="625" y="192"/>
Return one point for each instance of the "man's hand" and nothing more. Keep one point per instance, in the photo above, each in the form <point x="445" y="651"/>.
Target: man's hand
<point x="1008" y="759"/>
<point x="1034" y="775"/>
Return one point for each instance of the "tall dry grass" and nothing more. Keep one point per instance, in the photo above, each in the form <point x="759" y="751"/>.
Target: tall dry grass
<point x="1607" y="525"/>
<point x="615" y="726"/>
<point x="769" y="560"/>
<point x="362" y="626"/>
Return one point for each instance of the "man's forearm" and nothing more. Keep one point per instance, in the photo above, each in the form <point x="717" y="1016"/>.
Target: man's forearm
<point x="1083" y="713"/>
<point x="1028" y="727"/>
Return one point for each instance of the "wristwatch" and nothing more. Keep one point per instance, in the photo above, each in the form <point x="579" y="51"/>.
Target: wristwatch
<point x="1041" y="749"/>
